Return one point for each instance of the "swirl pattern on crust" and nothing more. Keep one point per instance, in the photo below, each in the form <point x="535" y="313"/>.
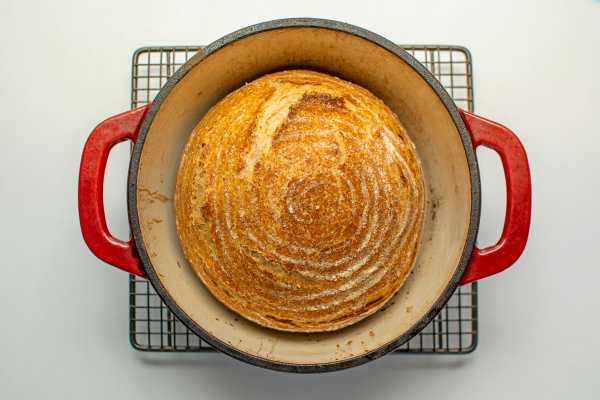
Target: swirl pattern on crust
<point x="299" y="202"/>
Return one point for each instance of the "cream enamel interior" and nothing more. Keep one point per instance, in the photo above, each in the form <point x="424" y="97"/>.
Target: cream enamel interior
<point x="420" y="111"/>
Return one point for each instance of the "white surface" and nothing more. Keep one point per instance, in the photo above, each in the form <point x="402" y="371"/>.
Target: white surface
<point x="63" y="328"/>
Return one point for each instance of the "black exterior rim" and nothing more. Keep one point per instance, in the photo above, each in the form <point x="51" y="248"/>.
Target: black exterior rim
<point x="469" y="153"/>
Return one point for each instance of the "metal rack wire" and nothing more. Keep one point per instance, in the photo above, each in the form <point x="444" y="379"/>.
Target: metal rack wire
<point x="153" y="327"/>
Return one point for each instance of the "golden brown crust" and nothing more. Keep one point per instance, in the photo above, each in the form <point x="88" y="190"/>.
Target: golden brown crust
<point x="300" y="201"/>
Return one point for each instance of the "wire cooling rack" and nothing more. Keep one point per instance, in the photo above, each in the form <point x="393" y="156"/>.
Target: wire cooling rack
<point x="153" y="327"/>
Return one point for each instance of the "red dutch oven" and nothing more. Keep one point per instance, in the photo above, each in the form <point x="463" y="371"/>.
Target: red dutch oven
<point x="445" y="138"/>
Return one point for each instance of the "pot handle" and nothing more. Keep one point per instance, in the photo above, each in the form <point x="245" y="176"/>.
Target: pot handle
<point x="496" y="258"/>
<point x="121" y="254"/>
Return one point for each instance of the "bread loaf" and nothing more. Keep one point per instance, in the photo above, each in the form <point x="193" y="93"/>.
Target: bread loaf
<point x="299" y="202"/>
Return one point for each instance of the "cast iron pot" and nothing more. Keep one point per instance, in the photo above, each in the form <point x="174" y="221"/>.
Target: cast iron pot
<point x="444" y="135"/>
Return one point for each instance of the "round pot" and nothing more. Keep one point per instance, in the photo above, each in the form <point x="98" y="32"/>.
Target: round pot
<point x="445" y="138"/>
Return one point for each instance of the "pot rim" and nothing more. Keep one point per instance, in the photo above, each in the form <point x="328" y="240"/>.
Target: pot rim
<point x="448" y="104"/>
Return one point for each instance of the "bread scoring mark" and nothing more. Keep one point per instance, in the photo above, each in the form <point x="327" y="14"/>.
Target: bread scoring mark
<point x="284" y="105"/>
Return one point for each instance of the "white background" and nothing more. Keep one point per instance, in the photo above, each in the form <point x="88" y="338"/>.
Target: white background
<point x="65" y="66"/>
